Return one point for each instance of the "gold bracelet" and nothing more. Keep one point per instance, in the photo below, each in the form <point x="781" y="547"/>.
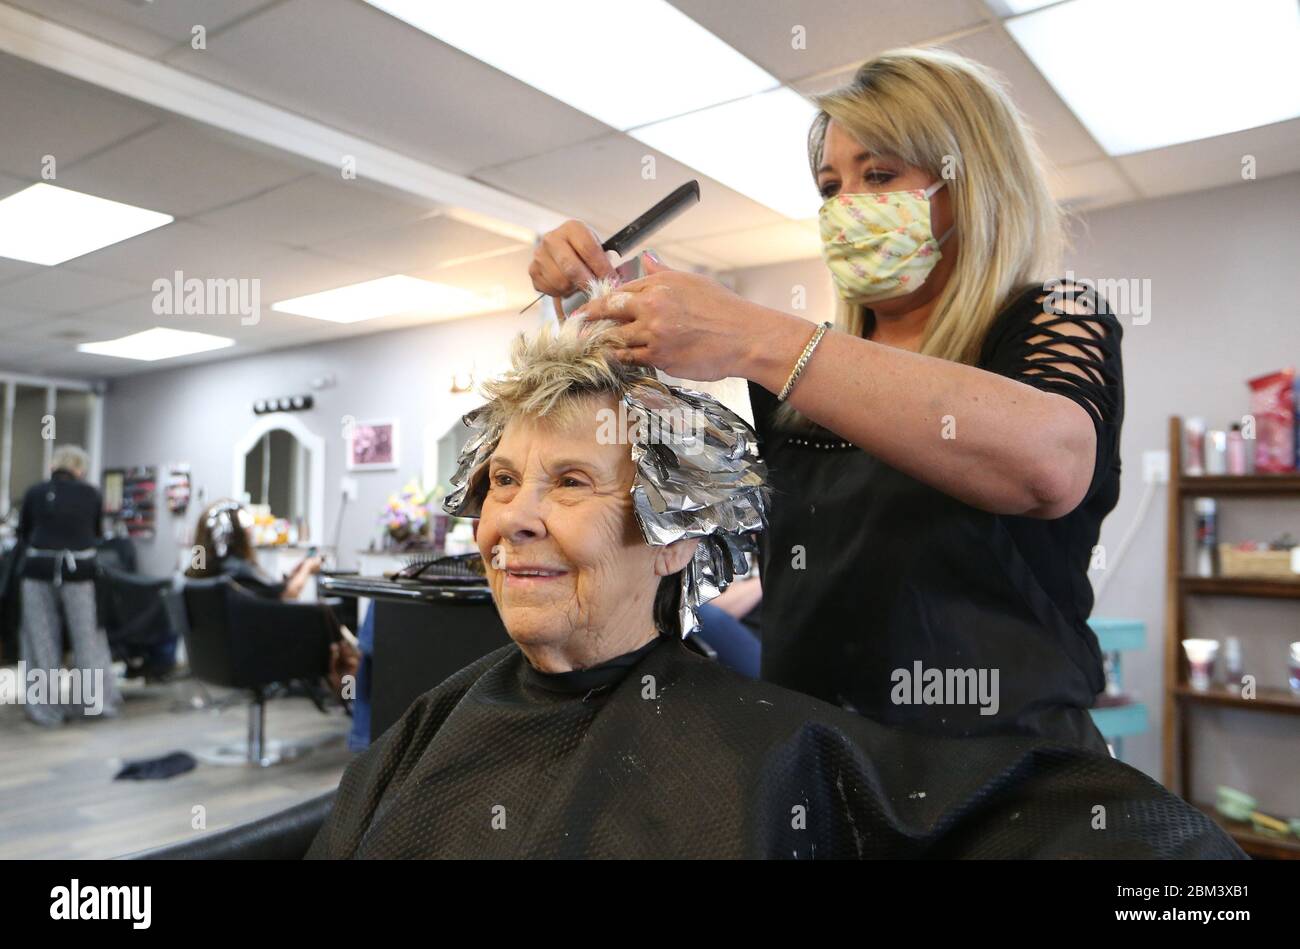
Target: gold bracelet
<point x="803" y="361"/>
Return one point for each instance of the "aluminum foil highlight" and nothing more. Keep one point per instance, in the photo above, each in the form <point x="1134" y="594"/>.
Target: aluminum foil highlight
<point x="698" y="474"/>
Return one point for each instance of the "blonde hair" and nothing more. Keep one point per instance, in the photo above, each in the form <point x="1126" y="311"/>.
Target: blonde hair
<point x="556" y="366"/>
<point x="70" y="458"/>
<point x="941" y="112"/>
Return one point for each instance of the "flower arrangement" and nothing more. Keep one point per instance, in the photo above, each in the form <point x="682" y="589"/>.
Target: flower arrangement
<point x="406" y="515"/>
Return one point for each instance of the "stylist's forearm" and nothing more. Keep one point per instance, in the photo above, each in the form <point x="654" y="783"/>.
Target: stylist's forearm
<point x="992" y="442"/>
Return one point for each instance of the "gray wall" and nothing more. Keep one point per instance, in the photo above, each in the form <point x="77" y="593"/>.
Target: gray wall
<point x="1222" y="266"/>
<point x="196" y="414"/>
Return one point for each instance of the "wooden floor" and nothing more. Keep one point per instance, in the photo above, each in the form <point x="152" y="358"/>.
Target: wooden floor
<point x="58" y="797"/>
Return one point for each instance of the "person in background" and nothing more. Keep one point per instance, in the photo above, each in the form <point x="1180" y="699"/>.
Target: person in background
<point x="724" y="627"/>
<point x="60" y="523"/>
<point x="223" y="547"/>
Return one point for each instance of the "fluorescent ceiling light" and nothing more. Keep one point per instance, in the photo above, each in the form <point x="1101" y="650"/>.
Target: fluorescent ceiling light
<point x="157" y="343"/>
<point x="626" y="64"/>
<point x="1162" y="72"/>
<point x="47" y="225"/>
<point x="757" y="146"/>
<point x="388" y="296"/>
<point x="1015" y="7"/>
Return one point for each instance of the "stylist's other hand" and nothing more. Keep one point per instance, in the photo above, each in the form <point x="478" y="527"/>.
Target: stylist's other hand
<point x="566" y="259"/>
<point x="686" y="324"/>
<point x="344" y="661"/>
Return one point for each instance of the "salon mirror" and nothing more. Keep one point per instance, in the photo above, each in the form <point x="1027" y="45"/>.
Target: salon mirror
<point x="280" y="463"/>
<point x="277" y="472"/>
<point x="449" y="448"/>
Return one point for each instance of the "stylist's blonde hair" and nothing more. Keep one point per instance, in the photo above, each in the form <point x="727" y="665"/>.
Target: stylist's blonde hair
<point x="950" y="116"/>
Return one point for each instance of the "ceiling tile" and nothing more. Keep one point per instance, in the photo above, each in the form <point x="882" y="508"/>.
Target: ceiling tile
<point x="14" y="322"/>
<point x="94" y="19"/>
<point x="60" y="290"/>
<point x="502" y="277"/>
<point x="18" y="356"/>
<point x="420" y="244"/>
<point x="43" y="112"/>
<point x="1090" y="185"/>
<point x="1214" y="162"/>
<point x="315" y="209"/>
<point x="180" y="168"/>
<point x="139" y="313"/>
<point x="65" y="331"/>
<point x="758" y="246"/>
<point x="299" y="273"/>
<point x="1060" y="134"/>
<point x="602" y="183"/>
<point x="9" y="184"/>
<point x="13" y="269"/>
<point x="194" y="250"/>
<point x="836" y="32"/>
<point x="142" y="26"/>
<point x="352" y="66"/>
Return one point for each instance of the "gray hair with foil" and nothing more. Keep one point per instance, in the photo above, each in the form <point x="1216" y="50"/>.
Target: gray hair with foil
<point x="698" y="472"/>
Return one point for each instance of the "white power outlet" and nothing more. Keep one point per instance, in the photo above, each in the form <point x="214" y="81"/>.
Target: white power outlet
<point x="350" y="488"/>
<point x="1155" y="467"/>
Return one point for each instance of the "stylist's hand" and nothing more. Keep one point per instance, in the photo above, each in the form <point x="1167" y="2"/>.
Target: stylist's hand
<point x="566" y="260"/>
<point x="686" y="324"/>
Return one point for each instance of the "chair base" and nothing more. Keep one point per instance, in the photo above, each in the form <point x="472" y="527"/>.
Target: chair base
<point x="260" y="751"/>
<point x="273" y="752"/>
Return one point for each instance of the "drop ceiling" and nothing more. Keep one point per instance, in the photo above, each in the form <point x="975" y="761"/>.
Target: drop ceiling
<point x="245" y="208"/>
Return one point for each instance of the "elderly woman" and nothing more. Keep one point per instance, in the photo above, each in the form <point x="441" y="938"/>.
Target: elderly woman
<point x="610" y="506"/>
<point x="60" y="523"/>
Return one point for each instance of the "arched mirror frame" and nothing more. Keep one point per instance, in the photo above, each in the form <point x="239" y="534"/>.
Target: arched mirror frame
<point x="315" y="446"/>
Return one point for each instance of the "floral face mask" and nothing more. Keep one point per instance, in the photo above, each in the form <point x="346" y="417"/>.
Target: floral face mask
<point x="879" y="245"/>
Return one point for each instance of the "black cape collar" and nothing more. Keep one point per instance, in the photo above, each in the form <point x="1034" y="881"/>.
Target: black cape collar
<point x="582" y="681"/>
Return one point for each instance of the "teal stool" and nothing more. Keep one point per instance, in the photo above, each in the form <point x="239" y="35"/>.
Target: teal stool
<point x="1117" y="636"/>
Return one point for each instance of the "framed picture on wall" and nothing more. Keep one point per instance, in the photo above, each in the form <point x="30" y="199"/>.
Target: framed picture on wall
<point x="372" y="446"/>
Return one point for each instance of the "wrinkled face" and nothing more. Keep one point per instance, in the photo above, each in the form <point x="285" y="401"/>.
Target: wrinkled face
<point x="566" y="562"/>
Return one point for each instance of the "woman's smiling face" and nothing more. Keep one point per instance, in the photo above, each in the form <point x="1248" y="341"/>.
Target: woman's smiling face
<point x="572" y="576"/>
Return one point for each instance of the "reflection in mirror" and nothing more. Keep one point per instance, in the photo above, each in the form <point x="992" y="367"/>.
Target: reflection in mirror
<point x="277" y="471"/>
<point x="449" y="448"/>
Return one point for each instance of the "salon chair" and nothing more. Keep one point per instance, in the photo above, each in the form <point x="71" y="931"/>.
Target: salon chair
<point x="11" y="562"/>
<point x="133" y="611"/>
<point x="238" y="640"/>
<point x="285" y="835"/>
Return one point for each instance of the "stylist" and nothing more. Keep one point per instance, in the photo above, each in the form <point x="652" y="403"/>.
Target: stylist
<point x="942" y="456"/>
<point x="61" y="521"/>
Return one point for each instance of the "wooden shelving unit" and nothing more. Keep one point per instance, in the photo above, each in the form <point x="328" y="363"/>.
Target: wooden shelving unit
<point x="1179" y="695"/>
<point x="1252" y="841"/>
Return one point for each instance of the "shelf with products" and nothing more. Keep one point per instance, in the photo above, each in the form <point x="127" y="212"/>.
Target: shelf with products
<point x="1180" y="695"/>
<point x="1252" y="841"/>
<point x="137" y="511"/>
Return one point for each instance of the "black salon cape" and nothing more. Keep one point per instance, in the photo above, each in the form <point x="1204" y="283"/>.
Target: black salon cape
<point x="679" y="757"/>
